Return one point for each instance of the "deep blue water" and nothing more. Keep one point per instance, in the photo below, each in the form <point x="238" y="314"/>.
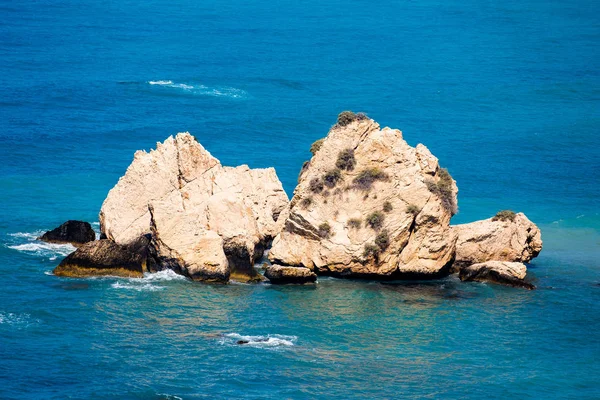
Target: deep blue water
<point x="506" y="94"/>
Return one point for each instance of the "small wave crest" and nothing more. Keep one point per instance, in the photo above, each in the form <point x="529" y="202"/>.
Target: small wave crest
<point x="147" y="283"/>
<point x="137" y="287"/>
<point x="268" y="341"/>
<point x="202" y="89"/>
<point x="18" y="320"/>
<point x="165" y="275"/>
<point x="27" y="242"/>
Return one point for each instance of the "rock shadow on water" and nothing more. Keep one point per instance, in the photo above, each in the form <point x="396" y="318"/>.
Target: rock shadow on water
<point x="428" y="292"/>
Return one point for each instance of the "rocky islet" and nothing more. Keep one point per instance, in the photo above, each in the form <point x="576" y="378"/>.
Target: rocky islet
<point x="367" y="205"/>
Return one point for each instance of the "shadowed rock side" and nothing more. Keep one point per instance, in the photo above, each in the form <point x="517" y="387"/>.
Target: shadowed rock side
<point x="278" y="275"/>
<point x="104" y="257"/>
<point x="207" y="220"/>
<point x="502" y="272"/>
<point x="516" y="239"/>
<point x="369" y="205"/>
<point x="73" y="232"/>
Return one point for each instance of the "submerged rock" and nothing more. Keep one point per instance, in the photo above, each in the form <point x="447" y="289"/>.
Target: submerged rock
<point x="502" y="272"/>
<point x="278" y="274"/>
<point x="73" y="232"/>
<point x="369" y="205"/>
<point x="206" y="220"/>
<point x="104" y="257"/>
<point x="513" y="238"/>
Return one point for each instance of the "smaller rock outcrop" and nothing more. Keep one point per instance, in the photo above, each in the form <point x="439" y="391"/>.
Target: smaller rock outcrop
<point x="502" y="272"/>
<point x="208" y="221"/>
<point x="73" y="232"/>
<point x="505" y="237"/>
<point x="278" y="274"/>
<point x="105" y="257"/>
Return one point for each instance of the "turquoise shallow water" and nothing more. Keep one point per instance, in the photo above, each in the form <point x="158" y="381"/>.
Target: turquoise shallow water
<point x="506" y="95"/>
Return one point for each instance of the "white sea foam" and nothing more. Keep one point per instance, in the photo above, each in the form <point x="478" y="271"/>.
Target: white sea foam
<point x="23" y="319"/>
<point x="43" y="249"/>
<point x="163" y="83"/>
<point x="165" y="275"/>
<point x="147" y="283"/>
<point x="202" y="89"/>
<point x="268" y="341"/>
<point x="137" y="287"/>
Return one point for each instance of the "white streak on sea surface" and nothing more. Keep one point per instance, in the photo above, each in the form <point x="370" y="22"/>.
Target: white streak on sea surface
<point x="266" y="341"/>
<point x="146" y="283"/>
<point x="18" y="320"/>
<point x="202" y="90"/>
<point x="27" y="242"/>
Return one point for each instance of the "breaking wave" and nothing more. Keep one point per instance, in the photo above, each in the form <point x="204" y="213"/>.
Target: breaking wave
<point x="268" y="341"/>
<point x="27" y="242"/>
<point x="140" y="288"/>
<point x="202" y="90"/>
<point x="147" y="283"/>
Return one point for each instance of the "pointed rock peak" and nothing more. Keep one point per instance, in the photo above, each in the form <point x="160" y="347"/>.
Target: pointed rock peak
<point x="369" y="204"/>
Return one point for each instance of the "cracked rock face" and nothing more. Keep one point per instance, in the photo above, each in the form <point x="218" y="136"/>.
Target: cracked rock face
<point x="206" y="219"/>
<point x="368" y="205"/>
<point x="486" y="240"/>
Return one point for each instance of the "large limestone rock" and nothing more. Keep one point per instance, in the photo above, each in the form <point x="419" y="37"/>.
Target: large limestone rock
<point x="501" y="272"/>
<point x="104" y="257"/>
<point x="514" y="238"/>
<point x="206" y="219"/>
<point x="363" y="173"/>
<point x="73" y="232"/>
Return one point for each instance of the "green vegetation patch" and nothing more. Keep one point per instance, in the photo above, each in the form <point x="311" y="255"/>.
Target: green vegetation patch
<point x="332" y="177"/>
<point x="387" y="207"/>
<point x="346" y="160"/>
<point x="354" y="223"/>
<point x="365" y="179"/>
<point x="316" y="146"/>
<point x="324" y="230"/>
<point x="443" y="190"/>
<point x="375" y="219"/>
<point x="505" y="215"/>
<point x="315" y="185"/>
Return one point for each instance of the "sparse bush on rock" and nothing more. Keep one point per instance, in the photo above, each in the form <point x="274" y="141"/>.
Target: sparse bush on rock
<point x="316" y="146"/>
<point x="346" y="160"/>
<point x="324" y="230"/>
<point x="505" y="215"/>
<point x="315" y="185"/>
<point x="387" y="207"/>
<point x="332" y="177"/>
<point x="371" y="250"/>
<point x="443" y="189"/>
<point x="367" y="177"/>
<point x="306" y="202"/>
<point x="382" y="239"/>
<point x="412" y="209"/>
<point x="354" y="223"/>
<point x="375" y="219"/>
<point x="345" y="118"/>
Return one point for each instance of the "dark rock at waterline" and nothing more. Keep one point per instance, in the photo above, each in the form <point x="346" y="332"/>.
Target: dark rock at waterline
<point x="504" y="273"/>
<point x="242" y="342"/>
<point x="278" y="274"/>
<point x="105" y="257"/>
<point x="73" y="232"/>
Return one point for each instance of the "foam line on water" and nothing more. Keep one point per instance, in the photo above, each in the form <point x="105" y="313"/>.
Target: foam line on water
<point x="266" y="341"/>
<point x="27" y="242"/>
<point x="202" y="90"/>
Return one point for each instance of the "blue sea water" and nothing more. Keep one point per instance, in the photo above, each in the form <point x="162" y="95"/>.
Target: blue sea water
<point x="506" y="94"/>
